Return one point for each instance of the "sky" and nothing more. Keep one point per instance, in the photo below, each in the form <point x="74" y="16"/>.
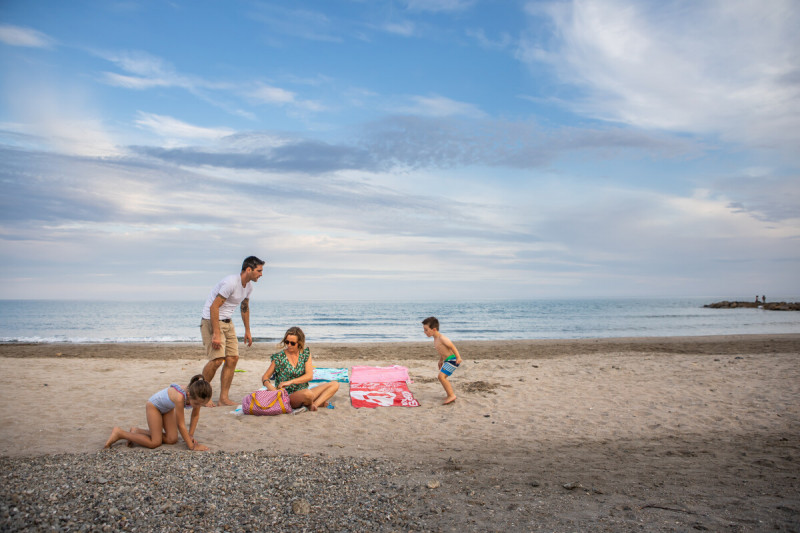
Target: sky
<point x="400" y="150"/>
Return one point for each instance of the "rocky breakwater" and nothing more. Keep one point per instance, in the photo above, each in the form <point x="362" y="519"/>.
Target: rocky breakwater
<point x="769" y="306"/>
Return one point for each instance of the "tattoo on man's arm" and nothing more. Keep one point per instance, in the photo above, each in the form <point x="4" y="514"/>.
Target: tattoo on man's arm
<point x="245" y="306"/>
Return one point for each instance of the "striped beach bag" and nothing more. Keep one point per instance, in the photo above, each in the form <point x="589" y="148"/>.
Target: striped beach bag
<point x="266" y="403"/>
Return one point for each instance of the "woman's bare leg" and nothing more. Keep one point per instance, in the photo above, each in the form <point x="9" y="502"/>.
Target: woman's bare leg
<point x="301" y="398"/>
<point x="322" y="393"/>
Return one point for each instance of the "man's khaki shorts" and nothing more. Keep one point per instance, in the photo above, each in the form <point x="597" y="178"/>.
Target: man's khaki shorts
<point x="230" y="344"/>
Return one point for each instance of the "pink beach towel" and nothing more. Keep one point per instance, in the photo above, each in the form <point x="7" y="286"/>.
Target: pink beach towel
<point x="391" y="394"/>
<point x="379" y="374"/>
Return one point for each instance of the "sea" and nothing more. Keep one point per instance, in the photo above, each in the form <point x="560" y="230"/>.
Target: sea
<point x="81" y="321"/>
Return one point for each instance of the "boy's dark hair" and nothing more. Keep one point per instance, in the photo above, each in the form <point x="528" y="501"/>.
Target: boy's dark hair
<point x="251" y="262"/>
<point x="199" y="388"/>
<point x="432" y="322"/>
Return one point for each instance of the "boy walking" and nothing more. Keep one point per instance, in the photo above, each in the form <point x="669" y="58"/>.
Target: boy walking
<point x="449" y="358"/>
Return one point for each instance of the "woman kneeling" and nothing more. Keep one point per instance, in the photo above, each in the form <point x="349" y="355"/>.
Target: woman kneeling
<point x="293" y="369"/>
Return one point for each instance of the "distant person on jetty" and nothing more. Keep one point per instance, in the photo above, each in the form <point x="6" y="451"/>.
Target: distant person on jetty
<point x="292" y="369"/>
<point x="216" y="327"/>
<point x="165" y="417"/>
<point x="449" y="358"/>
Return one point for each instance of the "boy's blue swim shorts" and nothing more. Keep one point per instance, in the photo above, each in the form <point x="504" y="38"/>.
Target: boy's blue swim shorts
<point x="449" y="366"/>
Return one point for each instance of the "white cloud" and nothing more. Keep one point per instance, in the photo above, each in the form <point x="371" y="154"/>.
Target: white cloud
<point x="440" y="106"/>
<point x="169" y="127"/>
<point x="405" y="28"/>
<point x="271" y="95"/>
<point x="26" y="37"/>
<point x="440" y="5"/>
<point x="728" y="68"/>
<point x="501" y="43"/>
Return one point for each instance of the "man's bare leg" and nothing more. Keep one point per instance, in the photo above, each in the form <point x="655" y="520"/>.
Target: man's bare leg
<point x="226" y="378"/>
<point x="209" y="371"/>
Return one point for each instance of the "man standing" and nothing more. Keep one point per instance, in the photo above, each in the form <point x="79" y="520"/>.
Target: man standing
<point x="216" y="327"/>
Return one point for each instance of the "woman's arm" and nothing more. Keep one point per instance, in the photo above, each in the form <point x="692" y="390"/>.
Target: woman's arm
<point x="266" y="379"/>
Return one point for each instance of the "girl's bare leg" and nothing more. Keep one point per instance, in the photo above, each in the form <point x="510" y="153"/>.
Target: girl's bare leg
<point x="170" y="423"/>
<point x="154" y="421"/>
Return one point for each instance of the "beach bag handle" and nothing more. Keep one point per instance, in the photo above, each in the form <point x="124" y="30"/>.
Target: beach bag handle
<point x="269" y="408"/>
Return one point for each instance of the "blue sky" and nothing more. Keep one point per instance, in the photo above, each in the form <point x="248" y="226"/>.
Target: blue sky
<point x="419" y="149"/>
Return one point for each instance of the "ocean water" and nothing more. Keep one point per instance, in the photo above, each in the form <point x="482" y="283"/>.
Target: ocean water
<point x="369" y="321"/>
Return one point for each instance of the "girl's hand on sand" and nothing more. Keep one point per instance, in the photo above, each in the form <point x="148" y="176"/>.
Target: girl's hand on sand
<point x="200" y="448"/>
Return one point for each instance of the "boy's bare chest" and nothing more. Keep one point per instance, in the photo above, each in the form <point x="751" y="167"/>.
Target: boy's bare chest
<point x="441" y="349"/>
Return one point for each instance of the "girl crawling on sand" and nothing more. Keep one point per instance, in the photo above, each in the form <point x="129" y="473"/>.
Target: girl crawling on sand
<point x="165" y="417"/>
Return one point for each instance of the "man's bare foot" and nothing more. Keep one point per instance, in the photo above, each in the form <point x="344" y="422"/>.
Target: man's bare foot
<point x="449" y="399"/>
<point x="115" y="436"/>
<point x="226" y="401"/>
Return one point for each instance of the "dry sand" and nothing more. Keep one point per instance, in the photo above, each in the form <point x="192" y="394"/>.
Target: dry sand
<point x="665" y="433"/>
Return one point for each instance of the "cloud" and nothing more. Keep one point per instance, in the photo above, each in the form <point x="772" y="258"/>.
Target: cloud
<point x="425" y="142"/>
<point x="59" y="116"/>
<point x="267" y="94"/>
<point x="302" y="23"/>
<point x="440" y="106"/>
<point x="271" y="95"/>
<point x="25" y="37"/>
<point x="438" y="6"/>
<point x="404" y="28"/>
<point x="400" y="142"/>
<point x="503" y="42"/>
<point x="721" y="68"/>
<point x="172" y="128"/>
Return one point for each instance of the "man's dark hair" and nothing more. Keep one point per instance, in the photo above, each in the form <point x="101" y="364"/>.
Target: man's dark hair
<point x="251" y="262"/>
<point x="432" y="322"/>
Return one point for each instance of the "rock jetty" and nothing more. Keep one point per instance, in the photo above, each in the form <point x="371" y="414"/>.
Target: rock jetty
<point x="769" y="306"/>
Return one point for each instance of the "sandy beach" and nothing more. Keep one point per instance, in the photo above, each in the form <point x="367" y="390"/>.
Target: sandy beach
<point x="660" y="434"/>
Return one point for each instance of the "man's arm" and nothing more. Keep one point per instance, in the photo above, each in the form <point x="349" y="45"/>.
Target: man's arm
<point x="248" y="337"/>
<point x="216" y="337"/>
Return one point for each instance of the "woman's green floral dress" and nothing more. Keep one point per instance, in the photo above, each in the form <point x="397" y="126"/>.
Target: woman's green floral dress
<point x="284" y="371"/>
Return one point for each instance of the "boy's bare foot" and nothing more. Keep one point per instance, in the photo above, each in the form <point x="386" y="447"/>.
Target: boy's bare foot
<point x="226" y="401"/>
<point x="449" y="399"/>
<point x="115" y="436"/>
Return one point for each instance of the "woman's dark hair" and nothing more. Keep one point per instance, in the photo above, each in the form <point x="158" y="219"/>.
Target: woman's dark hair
<point x="297" y="332"/>
<point x="199" y="388"/>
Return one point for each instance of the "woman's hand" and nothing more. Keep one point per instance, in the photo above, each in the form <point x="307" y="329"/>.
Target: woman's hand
<point x="284" y="384"/>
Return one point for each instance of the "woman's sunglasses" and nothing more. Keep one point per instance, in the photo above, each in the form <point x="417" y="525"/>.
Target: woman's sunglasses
<point x="290" y="343"/>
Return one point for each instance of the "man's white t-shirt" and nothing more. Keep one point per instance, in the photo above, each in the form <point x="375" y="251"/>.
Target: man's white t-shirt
<point x="230" y="288"/>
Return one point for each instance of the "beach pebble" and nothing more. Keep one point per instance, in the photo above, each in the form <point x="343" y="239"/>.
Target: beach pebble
<point x="165" y="490"/>
<point x="434" y="484"/>
<point x="301" y="507"/>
